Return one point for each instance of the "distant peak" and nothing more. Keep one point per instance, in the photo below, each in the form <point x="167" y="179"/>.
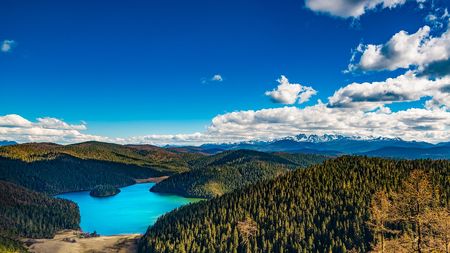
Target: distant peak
<point x="313" y="138"/>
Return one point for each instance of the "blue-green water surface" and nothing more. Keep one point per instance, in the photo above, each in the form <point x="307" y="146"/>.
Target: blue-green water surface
<point x="130" y="211"/>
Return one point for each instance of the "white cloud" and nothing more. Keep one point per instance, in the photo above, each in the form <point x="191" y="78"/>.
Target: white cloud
<point x="404" y="50"/>
<point x="438" y="17"/>
<point x="15" y="127"/>
<point x="214" y="78"/>
<point x="52" y="123"/>
<point x="407" y="87"/>
<point x="351" y="8"/>
<point x="7" y="45"/>
<point x="217" y="78"/>
<point x="14" y="120"/>
<point x="289" y="93"/>
<point x="176" y="139"/>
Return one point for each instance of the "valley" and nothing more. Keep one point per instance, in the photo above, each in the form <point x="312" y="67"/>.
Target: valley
<point x="315" y="201"/>
<point x="215" y="175"/>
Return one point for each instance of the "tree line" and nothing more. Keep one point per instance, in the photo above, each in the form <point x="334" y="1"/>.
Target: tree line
<point x="24" y="213"/>
<point x="325" y="208"/>
<point x="66" y="173"/>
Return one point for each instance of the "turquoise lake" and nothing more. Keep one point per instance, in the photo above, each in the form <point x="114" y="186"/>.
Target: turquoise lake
<point x="130" y="211"/>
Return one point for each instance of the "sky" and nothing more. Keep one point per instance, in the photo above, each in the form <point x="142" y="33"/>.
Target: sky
<point x="192" y="72"/>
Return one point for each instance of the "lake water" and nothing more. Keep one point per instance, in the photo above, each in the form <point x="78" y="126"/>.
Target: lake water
<point x="130" y="211"/>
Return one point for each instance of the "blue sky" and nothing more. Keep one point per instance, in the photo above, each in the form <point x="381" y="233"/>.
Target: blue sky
<point x="135" y="68"/>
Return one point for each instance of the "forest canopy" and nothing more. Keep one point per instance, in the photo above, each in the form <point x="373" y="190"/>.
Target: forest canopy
<point x="324" y="208"/>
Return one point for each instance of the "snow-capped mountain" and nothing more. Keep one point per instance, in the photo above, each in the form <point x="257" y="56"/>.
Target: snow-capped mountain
<point x="313" y="138"/>
<point x="336" y="145"/>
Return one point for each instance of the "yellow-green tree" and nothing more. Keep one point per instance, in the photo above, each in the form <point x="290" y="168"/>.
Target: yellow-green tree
<point x="416" y="210"/>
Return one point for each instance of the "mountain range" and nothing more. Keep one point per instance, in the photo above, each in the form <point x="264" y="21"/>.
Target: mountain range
<point x="7" y="143"/>
<point x="336" y="145"/>
<point x="327" y="144"/>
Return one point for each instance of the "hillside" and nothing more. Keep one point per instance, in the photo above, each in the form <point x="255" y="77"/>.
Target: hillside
<point x="24" y="213"/>
<point x="195" y="150"/>
<point x="320" y="209"/>
<point x="66" y="173"/>
<point x="140" y="155"/>
<point x="440" y="152"/>
<point x="53" y="168"/>
<point x="240" y="157"/>
<point x="9" y="245"/>
<point x="215" y="175"/>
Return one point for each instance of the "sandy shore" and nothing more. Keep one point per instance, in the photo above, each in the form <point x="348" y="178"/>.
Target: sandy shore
<point x="68" y="242"/>
<point x="151" y="180"/>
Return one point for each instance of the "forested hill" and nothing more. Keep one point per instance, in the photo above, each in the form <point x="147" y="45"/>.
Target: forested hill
<point x="66" y="173"/>
<point x="320" y="209"/>
<point x="215" y="175"/>
<point x="153" y="157"/>
<point x="244" y="156"/>
<point x="53" y="168"/>
<point x="24" y="213"/>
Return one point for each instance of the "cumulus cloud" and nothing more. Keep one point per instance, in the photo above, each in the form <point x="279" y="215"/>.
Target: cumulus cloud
<point x="404" y="88"/>
<point x="351" y="8"/>
<point x="289" y="93"/>
<point x="15" y="127"/>
<point x="217" y="78"/>
<point x="404" y="50"/>
<point x="7" y="45"/>
<point x="14" y="120"/>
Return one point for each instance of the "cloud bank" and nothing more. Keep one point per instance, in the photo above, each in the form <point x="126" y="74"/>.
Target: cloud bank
<point x="412" y="124"/>
<point x="352" y="8"/>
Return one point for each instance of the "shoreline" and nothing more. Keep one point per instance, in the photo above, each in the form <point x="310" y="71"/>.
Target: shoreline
<point x="136" y="181"/>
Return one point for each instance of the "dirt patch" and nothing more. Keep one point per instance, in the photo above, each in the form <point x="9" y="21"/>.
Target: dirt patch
<point x="69" y="242"/>
<point x="151" y="180"/>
